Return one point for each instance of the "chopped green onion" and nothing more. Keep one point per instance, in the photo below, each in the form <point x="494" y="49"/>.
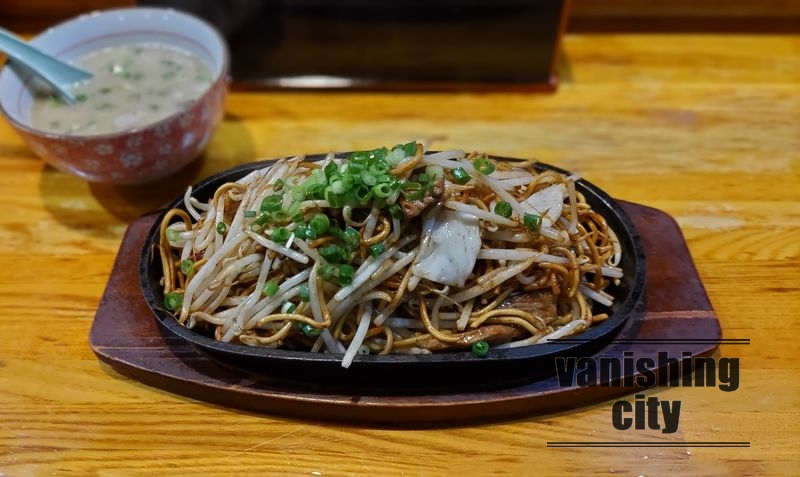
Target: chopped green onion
<point x="270" y="288"/>
<point x="480" y="349"/>
<point x="309" y="330"/>
<point x="221" y="228"/>
<point x="330" y="169"/>
<point x="272" y="203"/>
<point x="363" y="194"/>
<point x="262" y="219"/>
<point x="395" y="156"/>
<point x="503" y="209"/>
<point x="379" y="168"/>
<point x="278" y="185"/>
<point x="293" y="210"/>
<point x="346" y="274"/>
<point x="333" y="253"/>
<point x="298" y="194"/>
<point x="249" y="214"/>
<point x="460" y="175"/>
<point x="368" y="179"/>
<point x="288" y="307"/>
<point x="187" y="267"/>
<point x="279" y="216"/>
<point x="337" y="186"/>
<point x="382" y="190"/>
<point x="532" y="221"/>
<point x="305" y="295"/>
<point x="409" y="148"/>
<point x="351" y="238"/>
<point x="334" y="199"/>
<point x="315" y="191"/>
<point x="484" y="165"/>
<point x="361" y="157"/>
<point x="303" y="231"/>
<point x="327" y="271"/>
<point x="281" y="235"/>
<point x="377" y="249"/>
<point x="413" y="191"/>
<point x="173" y="300"/>
<point x="319" y="224"/>
<point x="173" y="235"/>
<point x="353" y="168"/>
<point x="435" y="171"/>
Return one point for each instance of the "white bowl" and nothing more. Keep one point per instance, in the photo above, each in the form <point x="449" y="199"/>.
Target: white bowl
<point x="138" y="155"/>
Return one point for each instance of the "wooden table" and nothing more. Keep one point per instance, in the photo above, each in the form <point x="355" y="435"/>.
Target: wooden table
<point x="705" y="127"/>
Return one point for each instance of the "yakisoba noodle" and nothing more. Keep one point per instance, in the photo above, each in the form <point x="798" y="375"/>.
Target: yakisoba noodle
<point x="389" y="251"/>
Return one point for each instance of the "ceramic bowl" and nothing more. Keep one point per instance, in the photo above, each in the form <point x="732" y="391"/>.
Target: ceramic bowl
<point x="138" y="155"/>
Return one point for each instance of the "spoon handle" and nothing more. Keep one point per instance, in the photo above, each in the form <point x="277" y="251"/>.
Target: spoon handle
<point x="56" y="72"/>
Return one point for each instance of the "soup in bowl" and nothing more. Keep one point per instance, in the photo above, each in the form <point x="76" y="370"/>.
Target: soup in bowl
<point x="156" y="95"/>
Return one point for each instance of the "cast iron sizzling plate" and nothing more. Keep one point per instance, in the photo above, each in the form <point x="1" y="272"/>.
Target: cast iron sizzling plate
<point x="446" y="369"/>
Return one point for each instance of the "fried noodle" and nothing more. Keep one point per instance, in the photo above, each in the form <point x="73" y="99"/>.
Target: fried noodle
<point x="389" y="251"/>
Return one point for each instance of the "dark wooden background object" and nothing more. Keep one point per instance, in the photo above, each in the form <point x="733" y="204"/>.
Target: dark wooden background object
<point x="125" y="336"/>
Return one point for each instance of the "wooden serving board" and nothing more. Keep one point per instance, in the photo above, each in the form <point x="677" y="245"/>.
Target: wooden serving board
<point x="125" y="335"/>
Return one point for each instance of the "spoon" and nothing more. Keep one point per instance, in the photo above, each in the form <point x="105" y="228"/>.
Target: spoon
<point x="56" y="73"/>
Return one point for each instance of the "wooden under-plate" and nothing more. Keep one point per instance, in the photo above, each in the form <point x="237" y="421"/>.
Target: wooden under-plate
<point x="678" y="318"/>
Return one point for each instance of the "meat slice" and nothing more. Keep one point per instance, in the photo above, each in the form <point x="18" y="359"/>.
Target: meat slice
<point x="413" y="208"/>
<point x="541" y="304"/>
<point x="493" y="334"/>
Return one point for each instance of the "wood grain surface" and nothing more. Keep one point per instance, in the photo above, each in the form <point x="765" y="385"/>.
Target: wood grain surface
<point x="704" y="127"/>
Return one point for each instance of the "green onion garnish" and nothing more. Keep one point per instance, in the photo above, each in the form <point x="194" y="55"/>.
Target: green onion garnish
<point x="319" y="224"/>
<point x="173" y="235"/>
<point x="221" y="228"/>
<point x="298" y="194"/>
<point x="409" y="148"/>
<point x="327" y="271"/>
<point x="480" y="349"/>
<point x="249" y="214"/>
<point x="377" y="249"/>
<point x="270" y="288"/>
<point x="345" y="274"/>
<point x="381" y="190"/>
<point x="272" y="203"/>
<point x="368" y="179"/>
<point x="333" y="253"/>
<point x="363" y="194"/>
<point x="187" y="267"/>
<point x="413" y="191"/>
<point x="315" y="191"/>
<point x="305" y="296"/>
<point x="281" y="235"/>
<point x="434" y="171"/>
<point x="288" y="307"/>
<point x="503" y="209"/>
<point x="460" y="175"/>
<point x="532" y="221"/>
<point x="484" y="165"/>
<point x="330" y="169"/>
<point x="173" y="300"/>
<point x="309" y="330"/>
<point x="351" y="238"/>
